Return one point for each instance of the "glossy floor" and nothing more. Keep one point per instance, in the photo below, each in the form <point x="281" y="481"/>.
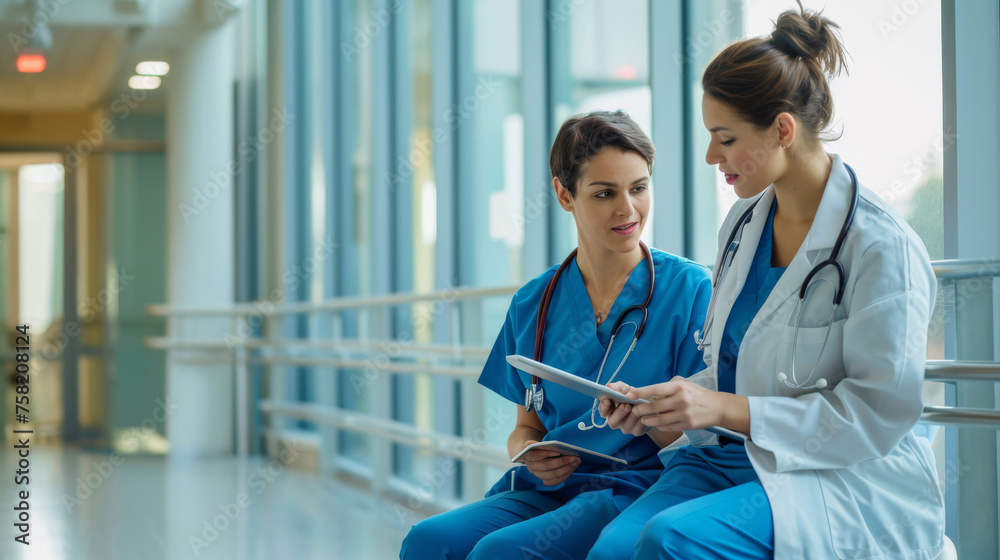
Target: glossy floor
<point x="94" y="506"/>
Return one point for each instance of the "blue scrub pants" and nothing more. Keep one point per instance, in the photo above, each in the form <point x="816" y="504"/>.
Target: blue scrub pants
<point x="708" y="503"/>
<point x="521" y="524"/>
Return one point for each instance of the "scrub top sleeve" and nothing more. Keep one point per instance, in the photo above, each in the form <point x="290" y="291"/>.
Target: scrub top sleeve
<point x="880" y="398"/>
<point x="499" y="376"/>
<point x="689" y="359"/>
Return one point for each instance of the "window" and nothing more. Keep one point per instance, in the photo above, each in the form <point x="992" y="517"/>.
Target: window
<point x="594" y="69"/>
<point x="356" y="230"/>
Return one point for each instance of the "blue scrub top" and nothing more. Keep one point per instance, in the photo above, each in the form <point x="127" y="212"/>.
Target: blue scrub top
<point x="574" y="343"/>
<point x="760" y="281"/>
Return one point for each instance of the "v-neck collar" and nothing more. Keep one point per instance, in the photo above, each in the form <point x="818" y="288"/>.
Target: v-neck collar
<point x="636" y="287"/>
<point x="763" y="270"/>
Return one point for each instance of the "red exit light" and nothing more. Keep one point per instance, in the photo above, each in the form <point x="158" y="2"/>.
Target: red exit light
<point x="30" y="63"/>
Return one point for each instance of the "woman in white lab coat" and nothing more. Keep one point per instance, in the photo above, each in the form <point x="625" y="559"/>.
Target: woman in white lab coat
<point x="831" y="468"/>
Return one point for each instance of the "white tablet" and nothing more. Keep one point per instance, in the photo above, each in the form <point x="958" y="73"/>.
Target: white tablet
<point x="569" y="449"/>
<point x="589" y="388"/>
<point x="566" y="379"/>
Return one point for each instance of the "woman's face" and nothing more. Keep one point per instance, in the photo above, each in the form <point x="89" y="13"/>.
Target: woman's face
<point x="612" y="200"/>
<point x="750" y="158"/>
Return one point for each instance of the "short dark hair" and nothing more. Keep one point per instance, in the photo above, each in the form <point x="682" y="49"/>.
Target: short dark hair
<point x="583" y="136"/>
<point x="762" y="77"/>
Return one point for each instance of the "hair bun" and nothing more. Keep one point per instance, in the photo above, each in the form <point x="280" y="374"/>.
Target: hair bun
<point x="809" y="35"/>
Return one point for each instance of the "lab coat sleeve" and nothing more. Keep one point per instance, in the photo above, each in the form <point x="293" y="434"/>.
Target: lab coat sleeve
<point x="880" y="398"/>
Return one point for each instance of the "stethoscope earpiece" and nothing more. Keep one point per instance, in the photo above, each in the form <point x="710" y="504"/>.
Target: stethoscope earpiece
<point x="820" y="383"/>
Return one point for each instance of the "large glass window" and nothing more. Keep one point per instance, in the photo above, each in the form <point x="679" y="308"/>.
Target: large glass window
<point x="40" y="257"/>
<point x="487" y="121"/>
<point x="40" y="200"/>
<point x="356" y="228"/>
<point x="600" y="61"/>
<point x="890" y="114"/>
<point x="895" y="106"/>
<point x="414" y="395"/>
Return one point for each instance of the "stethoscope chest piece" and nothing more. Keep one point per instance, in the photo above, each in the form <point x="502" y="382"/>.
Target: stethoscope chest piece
<point x="534" y="396"/>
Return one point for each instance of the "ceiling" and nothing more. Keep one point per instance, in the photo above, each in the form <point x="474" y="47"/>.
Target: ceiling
<point x="95" y="47"/>
<point x="79" y="68"/>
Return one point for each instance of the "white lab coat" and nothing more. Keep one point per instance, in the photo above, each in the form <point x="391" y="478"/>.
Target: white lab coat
<point x="845" y="475"/>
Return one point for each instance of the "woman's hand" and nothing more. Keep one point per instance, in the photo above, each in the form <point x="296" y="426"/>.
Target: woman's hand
<point x="619" y="415"/>
<point x="550" y="466"/>
<point x="682" y="405"/>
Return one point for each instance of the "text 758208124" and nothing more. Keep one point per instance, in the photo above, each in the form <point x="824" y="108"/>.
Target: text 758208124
<point x="22" y="507"/>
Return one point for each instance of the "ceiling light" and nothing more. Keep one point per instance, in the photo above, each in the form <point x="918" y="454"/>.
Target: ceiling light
<point x="31" y="63"/>
<point x="144" y="82"/>
<point x="152" y="68"/>
<point x="31" y="50"/>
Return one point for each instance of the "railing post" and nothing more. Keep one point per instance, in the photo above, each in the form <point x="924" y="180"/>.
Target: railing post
<point x="242" y="400"/>
<point x="468" y="317"/>
<point x="328" y="392"/>
<point x="972" y="473"/>
<point x="277" y="376"/>
<point x="379" y="398"/>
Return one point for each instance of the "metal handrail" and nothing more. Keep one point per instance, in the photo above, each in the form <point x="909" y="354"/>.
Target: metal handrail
<point x="391" y="367"/>
<point x="398" y="353"/>
<point x="268" y="307"/>
<point x="393" y="430"/>
<point x="936" y="370"/>
<point x="956" y="370"/>
<point x="963" y="269"/>
<point x="966" y="417"/>
<point x="409" y="348"/>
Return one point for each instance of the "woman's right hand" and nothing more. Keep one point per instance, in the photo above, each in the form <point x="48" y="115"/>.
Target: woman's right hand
<point x="619" y="415"/>
<point x="550" y="466"/>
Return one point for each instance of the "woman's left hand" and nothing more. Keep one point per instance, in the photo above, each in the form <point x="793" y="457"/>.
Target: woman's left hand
<point x="679" y="405"/>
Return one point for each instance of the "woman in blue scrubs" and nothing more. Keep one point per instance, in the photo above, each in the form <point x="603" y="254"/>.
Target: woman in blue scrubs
<point x="556" y="505"/>
<point x="720" y="477"/>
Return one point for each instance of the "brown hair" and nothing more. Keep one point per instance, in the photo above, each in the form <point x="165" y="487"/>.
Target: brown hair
<point x="582" y="137"/>
<point x="762" y="77"/>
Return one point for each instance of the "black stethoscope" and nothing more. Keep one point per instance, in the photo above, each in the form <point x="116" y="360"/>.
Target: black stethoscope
<point x="726" y="261"/>
<point x="535" y="395"/>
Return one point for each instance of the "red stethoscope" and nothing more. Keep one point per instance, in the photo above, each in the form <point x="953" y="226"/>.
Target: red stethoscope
<point x="535" y="395"/>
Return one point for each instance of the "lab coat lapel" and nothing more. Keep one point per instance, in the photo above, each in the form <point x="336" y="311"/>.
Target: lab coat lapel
<point x="816" y="246"/>
<point x="832" y="212"/>
<point x="737" y="275"/>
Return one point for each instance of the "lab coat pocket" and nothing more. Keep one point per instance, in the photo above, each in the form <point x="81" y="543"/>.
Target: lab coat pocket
<point x="848" y="533"/>
<point x="883" y="507"/>
<point x="813" y="350"/>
